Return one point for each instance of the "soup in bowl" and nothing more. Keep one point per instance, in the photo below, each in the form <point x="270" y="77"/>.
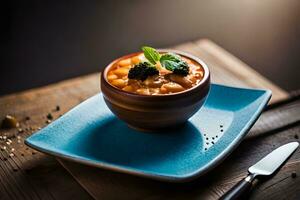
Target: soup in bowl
<point x="152" y="89"/>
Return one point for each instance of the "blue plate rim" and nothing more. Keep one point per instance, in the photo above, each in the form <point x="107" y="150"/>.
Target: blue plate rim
<point x="267" y="94"/>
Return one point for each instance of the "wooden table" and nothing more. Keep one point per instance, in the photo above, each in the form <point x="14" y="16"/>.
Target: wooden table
<point x="33" y="175"/>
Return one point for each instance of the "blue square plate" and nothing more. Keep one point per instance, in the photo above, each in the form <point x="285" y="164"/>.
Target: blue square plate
<point x="92" y="135"/>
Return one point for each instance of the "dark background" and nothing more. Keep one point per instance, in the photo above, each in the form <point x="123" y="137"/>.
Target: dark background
<point x="47" y="41"/>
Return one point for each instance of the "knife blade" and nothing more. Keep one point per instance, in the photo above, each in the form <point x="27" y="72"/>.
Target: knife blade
<point x="265" y="167"/>
<point x="273" y="160"/>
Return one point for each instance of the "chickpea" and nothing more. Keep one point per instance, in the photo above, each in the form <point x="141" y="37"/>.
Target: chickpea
<point x="120" y="83"/>
<point x="125" y="62"/>
<point x="173" y="87"/>
<point x="120" y="72"/>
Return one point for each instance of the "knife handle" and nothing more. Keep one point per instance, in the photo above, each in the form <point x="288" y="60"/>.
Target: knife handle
<point x="239" y="189"/>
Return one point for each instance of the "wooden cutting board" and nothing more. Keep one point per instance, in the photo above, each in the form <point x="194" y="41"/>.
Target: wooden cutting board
<point x="226" y="69"/>
<point x="33" y="175"/>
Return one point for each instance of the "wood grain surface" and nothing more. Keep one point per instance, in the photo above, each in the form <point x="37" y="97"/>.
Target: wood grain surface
<point x="33" y="175"/>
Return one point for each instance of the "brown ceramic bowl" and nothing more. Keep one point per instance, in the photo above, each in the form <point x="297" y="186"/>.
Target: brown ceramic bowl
<point x="146" y="112"/>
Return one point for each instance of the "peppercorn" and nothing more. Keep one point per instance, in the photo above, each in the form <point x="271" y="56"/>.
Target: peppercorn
<point x="49" y="116"/>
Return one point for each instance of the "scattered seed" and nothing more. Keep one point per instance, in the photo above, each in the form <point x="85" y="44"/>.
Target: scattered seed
<point x="1" y="137"/>
<point x="204" y="134"/>
<point x="9" y="122"/>
<point x="22" y="154"/>
<point x="212" y="142"/>
<point x="19" y="141"/>
<point x="11" y="155"/>
<point x="20" y="130"/>
<point x="221" y="130"/>
<point x="213" y="138"/>
<point x="39" y="128"/>
<point x="207" y="138"/>
<point x="207" y="143"/>
<point x="3" y="148"/>
<point x="4" y="137"/>
<point x="205" y="149"/>
<point x="8" y="143"/>
<point x="221" y="126"/>
<point x="12" y="150"/>
<point x="18" y="137"/>
<point x="48" y="121"/>
<point x="33" y="153"/>
<point x="296" y="136"/>
<point x="57" y="108"/>
<point x="294" y="175"/>
<point x="27" y="118"/>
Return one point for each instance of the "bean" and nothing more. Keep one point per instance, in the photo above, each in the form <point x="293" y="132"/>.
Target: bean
<point x="163" y="90"/>
<point x="127" y="67"/>
<point x="144" y="91"/>
<point x="125" y="62"/>
<point x="110" y="73"/>
<point x="173" y="87"/>
<point x="120" y="72"/>
<point x="128" y="88"/>
<point x="112" y="77"/>
<point x="135" y="60"/>
<point x="120" y="83"/>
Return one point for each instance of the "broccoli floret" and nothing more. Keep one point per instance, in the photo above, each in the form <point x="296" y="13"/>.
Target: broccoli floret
<point x="181" y="69"/>
<point x="141" y="71"/>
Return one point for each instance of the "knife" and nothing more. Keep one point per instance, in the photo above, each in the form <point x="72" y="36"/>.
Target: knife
<point x="265" y="167"/>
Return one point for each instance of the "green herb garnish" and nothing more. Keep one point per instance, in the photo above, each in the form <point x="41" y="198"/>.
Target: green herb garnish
<point x="151" y="54"/>
<point x="141" y="71"/>
<point x="174" y="63"/>
<point x="170" y="61"/>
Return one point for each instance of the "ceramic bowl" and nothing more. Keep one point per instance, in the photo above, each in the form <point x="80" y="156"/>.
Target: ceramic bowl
<point x="153" y="112"/>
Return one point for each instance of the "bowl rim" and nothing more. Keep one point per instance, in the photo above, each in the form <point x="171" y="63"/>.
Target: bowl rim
<point x="205" y="79"/>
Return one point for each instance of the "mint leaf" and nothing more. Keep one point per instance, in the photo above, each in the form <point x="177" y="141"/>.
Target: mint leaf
<point x="151" y="54"/>
<point x="174" y="63"/>
<point x="170" y="56"/>
<point x="169" y="64"/>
